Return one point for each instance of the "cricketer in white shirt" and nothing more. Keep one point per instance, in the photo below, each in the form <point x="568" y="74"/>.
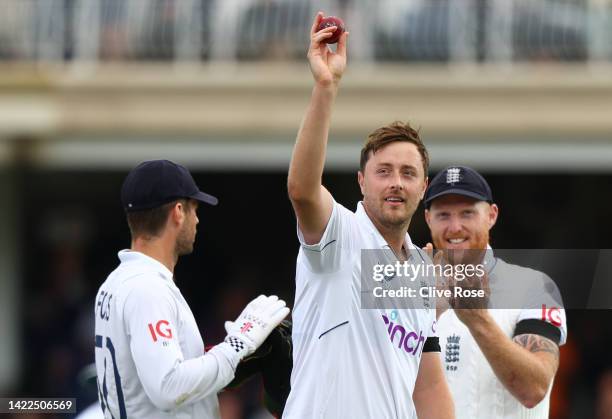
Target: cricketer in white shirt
<point x="150" y="356"/>
<point x="354" y="360"/>
<point x="149" y="351"/>
<point x="350" y="362"/>
<point x="501" y="356"/>
<point x="477" y="392"/>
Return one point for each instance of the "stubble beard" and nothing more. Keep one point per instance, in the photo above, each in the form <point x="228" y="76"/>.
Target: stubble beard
<point x="184" y="244"/>
<point x="393" y="220"/>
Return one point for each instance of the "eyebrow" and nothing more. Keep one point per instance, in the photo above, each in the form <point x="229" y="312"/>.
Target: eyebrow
<point x="403" y="166"/>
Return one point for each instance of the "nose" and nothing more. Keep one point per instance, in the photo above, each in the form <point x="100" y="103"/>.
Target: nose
<point x="396" y="181"/>
<point x="454" y="225"/>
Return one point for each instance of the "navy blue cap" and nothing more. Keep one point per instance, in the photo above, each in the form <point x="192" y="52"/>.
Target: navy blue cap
<point x="458" y="180"/>
<point x="154" y="183"/>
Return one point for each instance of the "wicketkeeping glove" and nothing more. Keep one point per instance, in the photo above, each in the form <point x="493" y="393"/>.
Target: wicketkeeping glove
<point x="274" y="361"/>
<point x="255" y="323"/>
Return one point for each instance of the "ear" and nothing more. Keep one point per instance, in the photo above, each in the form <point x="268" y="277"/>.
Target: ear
<point x="428" y="218"/>
<point x="177" y="214"/>
<point x="425" y="184"/>
<point x="361" y="181"/>
<point x="493" y="214"/>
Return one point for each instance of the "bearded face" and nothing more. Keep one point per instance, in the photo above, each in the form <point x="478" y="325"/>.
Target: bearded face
<point x="461" y="225"/>
<point x="186" y="235"/>
<point x="392" y="183"/>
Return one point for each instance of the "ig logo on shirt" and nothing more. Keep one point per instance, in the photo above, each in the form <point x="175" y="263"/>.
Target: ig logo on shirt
<point x="162" y="330"/>
<point x="551" y="315"/>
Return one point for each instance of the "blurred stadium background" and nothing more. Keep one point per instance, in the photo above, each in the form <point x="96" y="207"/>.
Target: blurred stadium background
<point x="519" y="89"/>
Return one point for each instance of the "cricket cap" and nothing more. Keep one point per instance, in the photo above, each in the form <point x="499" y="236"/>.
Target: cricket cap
<point x="154" y="183"/>
<point x="458" y="180"/>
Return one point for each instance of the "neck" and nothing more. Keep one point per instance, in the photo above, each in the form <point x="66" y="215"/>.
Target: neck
<point x="394" y="238"/>
<point x="394" y="235"/>
<point x="157" y="248"/>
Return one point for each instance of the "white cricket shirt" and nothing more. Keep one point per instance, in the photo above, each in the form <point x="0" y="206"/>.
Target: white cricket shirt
<point x="149" y="352"/>
<point x="350" y="362"/>
<point x="477" y="392"/>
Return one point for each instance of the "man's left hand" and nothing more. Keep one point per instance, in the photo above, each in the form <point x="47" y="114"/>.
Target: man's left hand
<point x="470" y="309"/>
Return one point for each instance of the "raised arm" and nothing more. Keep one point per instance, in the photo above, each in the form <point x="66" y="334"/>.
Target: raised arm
<point x="311" y="202"/>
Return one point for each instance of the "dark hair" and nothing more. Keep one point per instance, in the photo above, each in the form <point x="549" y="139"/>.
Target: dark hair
<point x="396" y="131"/>
<point x="150" y="222"/>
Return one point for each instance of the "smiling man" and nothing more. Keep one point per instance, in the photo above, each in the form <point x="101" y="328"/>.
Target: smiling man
<point x="346" y="363"/>
<point x="500" y="363"/>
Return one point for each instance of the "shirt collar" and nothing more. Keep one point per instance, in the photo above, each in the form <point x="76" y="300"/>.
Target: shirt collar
<point x="132" y="256"/>
<point x="381" y="243"/>
<point x="489" y="259"/>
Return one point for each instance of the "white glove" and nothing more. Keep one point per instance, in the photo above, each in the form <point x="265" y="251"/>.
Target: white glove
<point x="255" y="323"/>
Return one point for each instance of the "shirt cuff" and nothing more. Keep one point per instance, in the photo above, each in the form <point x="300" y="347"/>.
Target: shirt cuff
<point x="226" y="351"/>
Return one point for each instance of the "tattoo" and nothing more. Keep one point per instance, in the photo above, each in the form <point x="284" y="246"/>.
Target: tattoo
<point x="536" y="343"/>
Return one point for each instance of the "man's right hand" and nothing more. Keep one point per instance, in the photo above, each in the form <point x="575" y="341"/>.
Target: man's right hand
<point x="312" y="203"/>
<point x="255" y="323"/>
<point x="326" y="66"/>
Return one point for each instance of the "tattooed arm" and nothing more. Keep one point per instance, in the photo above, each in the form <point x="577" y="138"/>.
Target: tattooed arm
<point x="526" y="364"/>
<point x="537" y="343"/>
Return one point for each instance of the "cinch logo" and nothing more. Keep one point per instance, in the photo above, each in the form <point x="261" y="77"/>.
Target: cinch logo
<point x="409" y="342"/>
<point x="552" y="315"/>
<point x="166" y="332"/>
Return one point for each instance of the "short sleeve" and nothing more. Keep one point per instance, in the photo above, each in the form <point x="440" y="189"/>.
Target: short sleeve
<point x="328" y="254"/>
<point x="544" y="314"/>
<point x="548" y="321"/>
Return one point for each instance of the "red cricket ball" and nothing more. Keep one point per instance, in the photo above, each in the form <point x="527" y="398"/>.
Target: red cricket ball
<point x="328" y="21"/>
